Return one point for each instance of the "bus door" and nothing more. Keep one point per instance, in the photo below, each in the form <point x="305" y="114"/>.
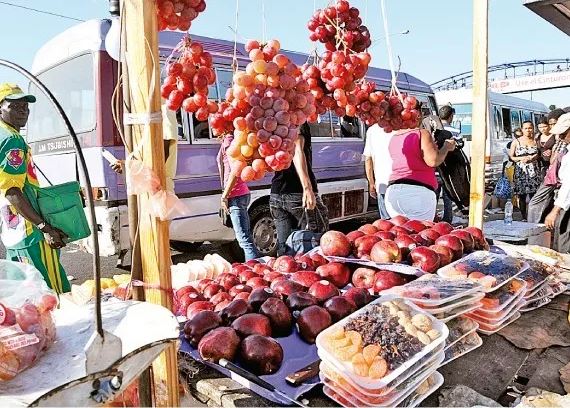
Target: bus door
<point x="506" y="117"/>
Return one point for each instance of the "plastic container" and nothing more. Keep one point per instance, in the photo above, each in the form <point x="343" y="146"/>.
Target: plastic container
<point x="486" y="316"/>
<point x="542" y="293"/>
<point x="466" y="345"/>
<point x="459" y="328"/>
<point x="416" y="398"/>
<point x="508" y="219"/>
<point x="365" y="382"/>
<point x="460" y="311"/>
<point x="556" y="288"/>
<point x="385" y="394"/>
<point x="347" y="383"/>
<point x="499" y="319"/>
<point x="533" y="292"/>
<point x="489" y="269"/>
<point x="532" y="278"/>
<point x="535" y="305"/>
<point x="430" y="291"/>
<point x="486" y="329"/>
<point x="500" y="299"/>
<point x="451" y="306"/>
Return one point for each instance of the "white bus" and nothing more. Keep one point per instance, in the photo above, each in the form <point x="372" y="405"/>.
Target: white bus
<point x="506" y="113"/>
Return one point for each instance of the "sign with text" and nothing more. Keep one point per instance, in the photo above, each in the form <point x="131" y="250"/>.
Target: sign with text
<point x="531" y="83"/>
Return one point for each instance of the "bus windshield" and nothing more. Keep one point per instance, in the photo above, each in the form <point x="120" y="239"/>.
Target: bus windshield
<point x="73" y="86"/>
<point x="462" y="118"/>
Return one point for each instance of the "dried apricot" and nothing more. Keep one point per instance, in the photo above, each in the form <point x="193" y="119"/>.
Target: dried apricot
<point x="355" y="337"/>
<point x="378" y="368"/>
<point x="336" y="333"/>
<point x="346" y="353"/>
<point x="433" y="334"/>
<point x="422" y="322"/>
<point x="370" y="352"/>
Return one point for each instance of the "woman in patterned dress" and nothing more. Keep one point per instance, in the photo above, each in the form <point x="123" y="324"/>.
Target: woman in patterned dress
<point x="524" y="152"/>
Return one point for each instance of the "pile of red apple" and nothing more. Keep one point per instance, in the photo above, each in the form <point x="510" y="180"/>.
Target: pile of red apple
<point x="266" y="105"/>
<point x="423" y="244"/>
<point x="178" y="14"/>
<point x="187" y="80"/>
<point x="25" y="332"/>
<point x="266" y="300"/>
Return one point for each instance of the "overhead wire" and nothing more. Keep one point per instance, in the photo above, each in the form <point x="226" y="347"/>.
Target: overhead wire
<point x="6" y="3"/>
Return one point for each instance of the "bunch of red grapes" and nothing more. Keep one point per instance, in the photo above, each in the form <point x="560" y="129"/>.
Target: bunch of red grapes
<point x="178" y="14"/>
<point x="264" y="108"/>
<point x="401" y="113"/>
<point x="187" y="80"/>
<point x="339" y="27"/>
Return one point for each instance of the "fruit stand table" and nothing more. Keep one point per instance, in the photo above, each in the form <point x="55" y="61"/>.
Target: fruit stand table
<point x="518" y="232"/>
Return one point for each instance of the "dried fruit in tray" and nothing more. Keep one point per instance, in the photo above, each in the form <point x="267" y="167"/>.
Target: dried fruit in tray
<point x="424" y="390"/>
<point x="432" y="291"/>
<point x="462" y="347"/>
<point x="499" y="299"/>
<point x="535" y="304"/>
<point x="453" y="307"/>
<point x="489" y="269"/>
<point x="532" y="278"/>
<point x="459" y="327"/>
<point x="486" y="328"/>
<point x="457" y="311"/>
<point x="497" y="318"/>
<point x="540" y="294"/>
<point x="556" y="287"/>
<point x="382" y="337"/>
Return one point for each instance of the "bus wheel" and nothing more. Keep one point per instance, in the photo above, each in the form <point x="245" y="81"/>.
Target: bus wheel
<point x="263" y="230"/>
<point x="182" y="246"/>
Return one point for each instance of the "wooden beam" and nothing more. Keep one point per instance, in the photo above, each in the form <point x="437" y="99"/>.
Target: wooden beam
<point x="144" y="83"/>
<point x="480" y="110"/>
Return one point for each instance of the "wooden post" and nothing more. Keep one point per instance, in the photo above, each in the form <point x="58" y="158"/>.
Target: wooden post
<point x="480" y="111"/>
<point x="144" y="77"/>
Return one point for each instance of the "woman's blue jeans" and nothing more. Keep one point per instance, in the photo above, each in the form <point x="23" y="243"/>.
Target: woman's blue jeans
<point x="240" y="222"/>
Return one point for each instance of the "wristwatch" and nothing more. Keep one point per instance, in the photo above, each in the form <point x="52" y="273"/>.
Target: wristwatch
<point x="41" y="226"/>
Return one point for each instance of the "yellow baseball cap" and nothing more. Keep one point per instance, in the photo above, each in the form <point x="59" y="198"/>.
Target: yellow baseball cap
<point x="12" y="92"/>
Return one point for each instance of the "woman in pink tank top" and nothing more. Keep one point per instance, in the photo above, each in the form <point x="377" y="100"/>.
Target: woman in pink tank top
<point x="411" y="191"/>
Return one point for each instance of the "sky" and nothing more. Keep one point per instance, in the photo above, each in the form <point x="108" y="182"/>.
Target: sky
<point x="437" y="46"/>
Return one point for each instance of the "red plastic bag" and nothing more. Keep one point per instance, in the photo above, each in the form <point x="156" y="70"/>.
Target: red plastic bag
<point x="27" y="328"/>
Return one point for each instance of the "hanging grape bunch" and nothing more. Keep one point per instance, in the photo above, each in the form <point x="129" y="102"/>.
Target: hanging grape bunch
<point x="178" y="14"/>
<point x="187" y="80"/>
<point x="401" y="113"/>
<point x="266" y="105"/>
<point x="334" y="79"/>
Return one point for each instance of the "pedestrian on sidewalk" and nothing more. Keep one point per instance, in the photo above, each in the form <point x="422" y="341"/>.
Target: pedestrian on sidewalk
<point x="378" y="165"/>
<point x="446" y="114"/>
<point x="546" y="141"/>
<point x="28" y="238"/>
<point x="294" y="201"/>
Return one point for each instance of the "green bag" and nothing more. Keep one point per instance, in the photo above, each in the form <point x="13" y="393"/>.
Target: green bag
<point x="62" y="207"/>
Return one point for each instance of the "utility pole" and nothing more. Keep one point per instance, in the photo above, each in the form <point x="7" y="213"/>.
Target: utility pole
<point x="142" y="61"/>
<point x="480" y="110"/>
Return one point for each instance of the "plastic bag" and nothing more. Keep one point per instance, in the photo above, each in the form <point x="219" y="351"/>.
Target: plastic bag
<point x="503" y="189"/>
<point x="27" y="328"/>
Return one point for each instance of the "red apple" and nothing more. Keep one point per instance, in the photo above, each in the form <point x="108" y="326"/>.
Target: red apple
<point x="428" y="224"/>
<point x="363" y="245"/>
<point x="425" y="259"/>
<point x="445" y="254"/>
<point x="252" y="262"/>
<point x="260" y="269"/>
<point x="286" y="287"/>
<point x="442" y="228"/>
<point x="212" y="289"/>
<point x="385" y="235"/>
<point x="286" y="264"/>
<point x="386" y="252"/>
<point x="242" y="296"/>
<point x="430" y="235"/>
<point x="399" y="220"/>
<point x="336" y="273"/>
<point x="406" y="243"/>
<point x="415" y="225"/>
<point x="272" y="275"/>
<point x="186" y="300"/>
<point x="202" y="283"/>
<point x="196" y="307"/>
<point x="398" y="230"/>
<point x="421" y="240"/>
<point x="323" y="290"/>
<point x="238" y="289"/>
<point x="353" y="235"/>
<point x="359" y="296"/>
<point x="368" y="229"/>
<point x="466" y="238"/>
<point x="306" y="278"/>
<point x="384" y="280"/>
<point x="318" y="259"/>
<point x="239" y="268"/>
<point x="480" y="241"/>
<point x="246" y="275"/>
<point x="227" y="280"/>
<point x="305" y="263"/>
<point x="334" y="243"/>
<point x="220" y="297"/>
<point x="453" y="243"/>
<point x="363" y="277"/>
<point x="270" y="262"/>
<point x="257" y="282"/>
<point x="185" y="289"/>
<point x="383" y="225"/>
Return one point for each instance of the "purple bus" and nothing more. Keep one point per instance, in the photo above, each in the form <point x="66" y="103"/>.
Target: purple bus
<point x="76" y="68"/>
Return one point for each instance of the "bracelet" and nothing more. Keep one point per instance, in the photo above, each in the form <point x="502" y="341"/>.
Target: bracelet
<point x="41" y="226"/>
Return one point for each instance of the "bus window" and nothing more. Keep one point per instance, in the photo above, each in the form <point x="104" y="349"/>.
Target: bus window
<point x="224" y="78"/>
<point x="73" y="85"/>
<point x="515" y="119"/>
<point x="526" y="116"/>
<point x="498" y="122"/>
<point x="506" y="114"/>
<point x="345" y="127"/>
<point x="462" y="119"/>
<point x="322" y="128"/>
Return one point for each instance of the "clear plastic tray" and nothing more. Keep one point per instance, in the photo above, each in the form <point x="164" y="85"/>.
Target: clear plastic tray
<point x="365" y="382"/>
<point x="347" y="383"/>
<point x="497" y="321"/>
<point x="432" y="291"/>
<point x="502" y="268"/>
<point x="504" y="296"/>
<point x="534" y="291"/>
<point x="451" y="340"/>
<point x="487" y="317"/>
<point x="466" y="345"/>
<point x="459" y="311"/>
<point x="488" y="330"/>
<point x="390" y="401"/>
<point x="451" y="306"/>
<point x="532" y="278"/>
<point x="556" y="288"/>
<point x="416" y="398"/>
<point x="535" y="305"/>
<point x="542" y="293"/>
